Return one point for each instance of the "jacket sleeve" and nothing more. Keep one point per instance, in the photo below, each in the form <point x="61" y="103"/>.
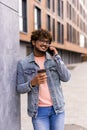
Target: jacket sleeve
<point x="23" y="86"/>
<point x="63" y="72"/>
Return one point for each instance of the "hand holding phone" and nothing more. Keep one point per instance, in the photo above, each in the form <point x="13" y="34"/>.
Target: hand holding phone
<point x="52" y="50"/>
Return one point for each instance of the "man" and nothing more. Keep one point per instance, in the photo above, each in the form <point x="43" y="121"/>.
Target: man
<point x="45" y="97"/>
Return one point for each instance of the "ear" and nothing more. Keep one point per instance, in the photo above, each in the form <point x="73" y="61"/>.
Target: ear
<point x="33" y="43"/>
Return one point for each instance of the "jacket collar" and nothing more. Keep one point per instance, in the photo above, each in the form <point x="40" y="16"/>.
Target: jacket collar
<point x="31" y="57"/>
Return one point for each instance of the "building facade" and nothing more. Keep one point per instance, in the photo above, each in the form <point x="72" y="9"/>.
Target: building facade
<point x="65" y="19"/>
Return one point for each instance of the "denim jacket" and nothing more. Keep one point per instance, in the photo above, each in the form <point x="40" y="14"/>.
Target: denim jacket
<point x="56" y="72"/>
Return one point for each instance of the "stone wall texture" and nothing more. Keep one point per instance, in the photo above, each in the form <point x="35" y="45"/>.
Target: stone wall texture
<point x="9" y="52"/>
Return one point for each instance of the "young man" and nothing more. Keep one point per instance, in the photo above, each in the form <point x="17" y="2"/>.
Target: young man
<point x="45" y="97"/>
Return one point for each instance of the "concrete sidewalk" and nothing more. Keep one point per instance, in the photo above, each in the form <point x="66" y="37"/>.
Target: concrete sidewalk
<point x="75" y="93"/>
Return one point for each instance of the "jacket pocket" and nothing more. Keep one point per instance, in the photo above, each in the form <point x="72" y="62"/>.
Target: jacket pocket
<point x="29" y="73"/>
<point x="54" y="73"/>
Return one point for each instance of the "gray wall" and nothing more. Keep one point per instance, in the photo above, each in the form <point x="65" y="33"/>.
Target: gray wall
<point x="9" y="48"/>
<point x="23" y="51"/>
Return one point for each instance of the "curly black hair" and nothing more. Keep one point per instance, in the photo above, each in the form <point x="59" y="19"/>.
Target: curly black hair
<point x="41" y="34"/>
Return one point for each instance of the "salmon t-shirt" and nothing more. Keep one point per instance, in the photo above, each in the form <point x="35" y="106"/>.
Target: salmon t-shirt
<point x="44" y="94"/>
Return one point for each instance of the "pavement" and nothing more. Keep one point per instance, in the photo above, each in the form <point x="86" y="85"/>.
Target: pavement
<point x="75" y="93"/>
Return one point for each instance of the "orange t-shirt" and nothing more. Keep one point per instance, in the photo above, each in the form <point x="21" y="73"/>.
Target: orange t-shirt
<point x="44" y="95"/>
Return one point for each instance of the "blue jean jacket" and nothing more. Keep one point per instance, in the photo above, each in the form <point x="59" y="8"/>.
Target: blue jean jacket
<point x="56" y="72"/>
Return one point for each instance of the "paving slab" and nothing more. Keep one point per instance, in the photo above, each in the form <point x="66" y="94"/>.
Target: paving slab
<point x="74" y="127"/>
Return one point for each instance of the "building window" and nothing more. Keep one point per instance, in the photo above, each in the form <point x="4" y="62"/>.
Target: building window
<point x="74" y="2"/>
<point x="68" y="32"/>
<point x="74" y="35"/>
<point x="37" y="18"/>
<point x="78" y="37"/>
<point x="77" y="4"/>
<point x="48" y="4"/>
<point x="60" y="33"/>
<point x="59" y="14"/>
<point x="71" y="32"/>
<point x="23" y="15"/>
<point x="53" y="29"/>
<point x="73" y="15"/>
<point x="67" y="9"/>
<point x="70" y="11"/>
<point x="53" y="5"/>
<point x="60" y="8"/>
<point x="48" y="23"/>
<point x="81" y="9"/>
<point x="82" y="40"/>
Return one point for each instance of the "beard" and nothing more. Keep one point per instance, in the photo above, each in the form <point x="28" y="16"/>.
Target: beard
<point x="40" y="51"/>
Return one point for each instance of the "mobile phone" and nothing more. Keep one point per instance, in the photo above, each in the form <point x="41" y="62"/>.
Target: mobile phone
<point x="51" y="52"/>
<point x="41" y="70"/>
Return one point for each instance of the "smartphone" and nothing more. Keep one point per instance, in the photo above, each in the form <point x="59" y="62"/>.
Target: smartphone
<point x="41" y="71"/>
<point x="51" y="52"/>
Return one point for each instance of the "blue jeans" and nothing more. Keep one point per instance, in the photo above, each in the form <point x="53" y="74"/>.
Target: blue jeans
<point x="47" y="119"/>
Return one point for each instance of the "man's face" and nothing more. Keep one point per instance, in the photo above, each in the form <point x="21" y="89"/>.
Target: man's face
<point x="41" y="45"/>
